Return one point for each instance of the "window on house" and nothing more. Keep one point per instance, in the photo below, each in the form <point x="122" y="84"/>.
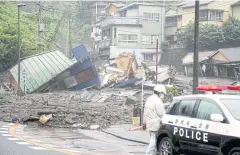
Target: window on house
<point x="151" y="16"/>
<point x="115" y="32"/>
<point x="216" y="15"/>
<point x="155" y="16"/>
<point x="146" y="16"/>
<point x="109" y="33"/>
<point x="128" y="38"/>
<point x="123" y="13"/>
<point x="171" y="21"/>
<point x="149" y="39"/>
<point x="103" y="34"/>
<point x="148" y="57"/>
<point x="171" y="38"/>
<point x="106" y="34"/>
<point x="203" y="15"/>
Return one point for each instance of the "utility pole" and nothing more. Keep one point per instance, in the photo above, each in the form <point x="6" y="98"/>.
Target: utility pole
<point x="19" y="50"/>
<point x="96" y="11"/>
<point x="39" y="22"/>
<point x="67" y="39"/>
<point x="70" y="37"/>
<point x="157" y="61"/>
<point x="196" y="43"/>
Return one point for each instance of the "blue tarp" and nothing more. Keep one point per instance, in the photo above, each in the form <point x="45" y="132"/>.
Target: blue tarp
<point x="130" y="82"/>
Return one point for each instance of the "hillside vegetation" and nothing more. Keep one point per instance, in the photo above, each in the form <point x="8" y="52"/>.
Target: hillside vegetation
<point x="55" y="29"/>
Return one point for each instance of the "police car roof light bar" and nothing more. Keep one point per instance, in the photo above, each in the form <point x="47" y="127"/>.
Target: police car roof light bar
<point x="233" y="87"/>
<point x="211" y="88"/>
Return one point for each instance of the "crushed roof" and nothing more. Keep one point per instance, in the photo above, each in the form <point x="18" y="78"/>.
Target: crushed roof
<point x="41" y="68"/>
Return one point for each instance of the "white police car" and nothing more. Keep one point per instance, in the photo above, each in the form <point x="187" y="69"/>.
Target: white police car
<point x="205" y="124"/>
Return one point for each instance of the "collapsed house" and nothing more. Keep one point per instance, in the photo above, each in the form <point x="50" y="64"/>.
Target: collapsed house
<point x="52" y="71"/>
<point x="126" y="71"/>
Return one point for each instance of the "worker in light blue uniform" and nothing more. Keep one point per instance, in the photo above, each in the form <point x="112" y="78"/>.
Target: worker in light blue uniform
<point x="153" y="113"/>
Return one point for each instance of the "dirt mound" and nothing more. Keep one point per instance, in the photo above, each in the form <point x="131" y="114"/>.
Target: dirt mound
<point x="70" y="109"/>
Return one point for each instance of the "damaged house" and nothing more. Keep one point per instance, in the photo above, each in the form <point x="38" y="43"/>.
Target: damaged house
<point x="187" y="62"/>
<point x="51" y="71"/>
<point x="224" y="63"/>
<point x="36" y="71"/>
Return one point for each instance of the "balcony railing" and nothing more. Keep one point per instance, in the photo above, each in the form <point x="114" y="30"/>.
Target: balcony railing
<point x="119" y="20"/>
<point x="173" y="24"/>
<point x="105" y="43"/>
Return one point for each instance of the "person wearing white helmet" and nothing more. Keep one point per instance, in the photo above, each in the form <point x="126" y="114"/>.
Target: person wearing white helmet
<point x="153" y="112"/>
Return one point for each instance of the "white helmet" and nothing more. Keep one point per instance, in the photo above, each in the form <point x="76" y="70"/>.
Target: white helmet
<point x="160" y="89"/>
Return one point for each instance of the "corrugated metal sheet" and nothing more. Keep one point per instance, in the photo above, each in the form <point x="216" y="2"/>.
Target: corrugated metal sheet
<point x="40" y="69"/>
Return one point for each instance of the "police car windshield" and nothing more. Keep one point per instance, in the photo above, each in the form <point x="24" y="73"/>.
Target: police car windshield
<point x="233" y="105"/>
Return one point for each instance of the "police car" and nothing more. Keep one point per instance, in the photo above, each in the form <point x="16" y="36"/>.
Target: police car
<point x="205" y="124"/>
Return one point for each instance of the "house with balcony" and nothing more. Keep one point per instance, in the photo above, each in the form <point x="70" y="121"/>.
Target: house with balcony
<point x="173" y="22"/>
<point x="133" y="28"/>
<point x="211" y="12"/>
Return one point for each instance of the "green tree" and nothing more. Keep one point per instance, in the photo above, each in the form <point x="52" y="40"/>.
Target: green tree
<point x="81" y="26"/>
<point x="9" y="36"/>
<point x="55" y="32"/>
<point x="212" y="36"/>
<point x="186" y="34"/>
<point x="82" y="35"/>
<point x="8" y="49"/>
<point x="231" y="32"/>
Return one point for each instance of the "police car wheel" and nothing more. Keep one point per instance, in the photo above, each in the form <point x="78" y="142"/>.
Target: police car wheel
<point x="166" y="147"/>
<point x="235" y="151"/>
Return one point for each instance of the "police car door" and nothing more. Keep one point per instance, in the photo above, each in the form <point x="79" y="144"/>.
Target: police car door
<point x="207" y="134"/>
<point x="179" y="118"/>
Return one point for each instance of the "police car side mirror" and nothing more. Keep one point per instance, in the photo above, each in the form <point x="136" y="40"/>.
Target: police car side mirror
<point x="216" y="118"/>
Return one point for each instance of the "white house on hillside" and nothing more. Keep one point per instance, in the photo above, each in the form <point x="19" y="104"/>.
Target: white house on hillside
<point x="133" y="28"/>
